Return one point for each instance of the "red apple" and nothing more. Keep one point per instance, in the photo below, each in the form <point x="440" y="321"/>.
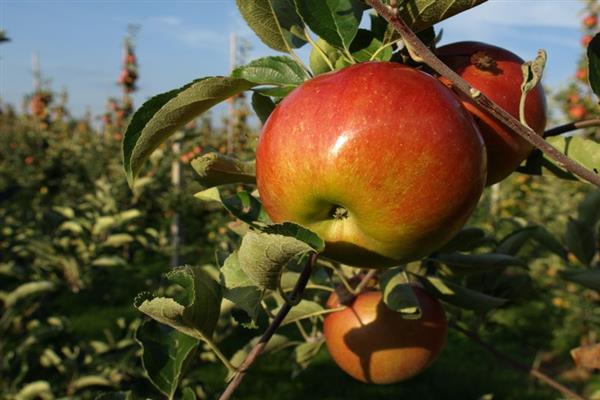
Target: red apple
<point x="378" y="158"/>
<point x="577" y="112"/>
<point x="497" y="73"/>
<point x="590" y="21"/>
<point x="581" y="74"/>
<point x="586" y="39"/>
<point x="376" y="345"/>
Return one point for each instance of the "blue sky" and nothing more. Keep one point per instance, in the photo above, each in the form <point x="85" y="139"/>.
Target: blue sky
<point x="79" y="43"/>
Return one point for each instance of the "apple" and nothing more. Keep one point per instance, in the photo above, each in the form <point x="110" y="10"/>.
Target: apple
<point x="379" y="159"/>
<point x="581" y="74"/>
<point x="586" y="39"/>
<point x="497" y="73"/>
<point x="577" y="112"/>
<point x="374" y="344"/>
<point x="590" y="21"/>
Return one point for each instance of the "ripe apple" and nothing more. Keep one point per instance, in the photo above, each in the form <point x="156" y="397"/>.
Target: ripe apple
<point x="376" y="345"/>
<point x="497" y="73"/>
<point x="590" y="21"/>
<point x="586" y="39"/>
<point x="577" y="112"/>
<point x="379" y="159"/>
<point x="581" y="74"/>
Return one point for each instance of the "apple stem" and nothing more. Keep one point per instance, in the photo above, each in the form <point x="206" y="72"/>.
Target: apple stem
<point x="572" y="126"/>
<point x="423" y="52"/>
<point x="293" y="298"/>
<point x="514" y="363"/>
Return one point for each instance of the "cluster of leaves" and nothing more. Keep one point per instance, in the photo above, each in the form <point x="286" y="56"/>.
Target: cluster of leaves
<point x="75" y="247"/>
<point x="577" y="100"/>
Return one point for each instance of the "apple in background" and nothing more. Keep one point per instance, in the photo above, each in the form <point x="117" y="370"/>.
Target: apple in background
<point x="590" y="21"/>
<point x="586" y="39"/>
<point x="577" y="112"/>
<point x="581" y="74"/>
<point x="379" y="159"/>
<point x="374" y="344"/>
<point x="497" y="73"/>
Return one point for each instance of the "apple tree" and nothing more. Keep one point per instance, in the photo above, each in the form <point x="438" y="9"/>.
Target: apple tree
<point x="371" y="160"/>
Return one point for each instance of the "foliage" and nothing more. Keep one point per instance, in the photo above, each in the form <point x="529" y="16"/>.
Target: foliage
<point x="80" y="239"/>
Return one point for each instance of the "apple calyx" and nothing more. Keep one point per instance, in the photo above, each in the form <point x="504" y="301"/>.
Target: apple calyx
<point x="338" y="212"/>
<point x="484" y="62"/>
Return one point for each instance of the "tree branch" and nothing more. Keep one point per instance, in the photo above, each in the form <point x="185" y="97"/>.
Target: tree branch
<point x="422" y="52"/>
<point x="516" y="364"/>
<point x="292" y="299"/>
<point x="572" y="126"/>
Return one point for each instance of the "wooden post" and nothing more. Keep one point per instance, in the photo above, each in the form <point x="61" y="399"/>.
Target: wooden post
<point x="231" y="122"/>
<point x="176" y="235"/>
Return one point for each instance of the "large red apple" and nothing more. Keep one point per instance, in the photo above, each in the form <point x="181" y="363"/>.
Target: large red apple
<point x="376" y="345"/>
<point x="379" y="159"/>
<point x="497" y="73"/>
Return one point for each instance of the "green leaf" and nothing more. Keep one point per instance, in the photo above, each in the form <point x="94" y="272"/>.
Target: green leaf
<point x="547" y="240"/>
<point x="35" y="390"/>
<point x="165" y="354"/>
<point x="277" y="71"/>
<point x="197" y="313"/>
<point x="215" y="169"/>
<point x="465" y="240"/>
<point x="66" y="212"/>
<point x="478" y="262"/>
<point x="318" y="65"/>
<point x="162" y="115"/>
<point x="109" y="261"/>
<point x="593" y="53"/>
<point x="589" y="209"/>
<point x="86" y="381"/>
<point x="461" y="296"/>
<point x="581" y="240"/>
<point x="243" y="206"/>
<point x="366" y="46"/>
<point x="421" y="14"/>
<point x="585" y="151"/>
<point x="263" y="106"/>
<point x="304" y="309"/>
<point x="398" y="294"/>
<point x="588" y="278"/>
<point x="336" y="21"/>
<point x="298" y="232"/>
<point x="275" y="22"/>
<point x="263" y="256"/>
<point x="118" y="240"/>
<point x="305" y="352"/>
<point x="116" y="396"/>
<point x="239" y="288"/>
<point x="512" y="243"/>
<point x="27" y="291"/>
<point x="188" y="394"/>
<point x="71" y="226"/>
<point x="102" y="224"/>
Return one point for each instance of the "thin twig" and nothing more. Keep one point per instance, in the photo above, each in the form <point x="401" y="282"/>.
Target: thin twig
<point x="572" y="126"/>
<point x="516" y="364"/>
<point x="292" y="299"/>
<point x="423" y="52"/>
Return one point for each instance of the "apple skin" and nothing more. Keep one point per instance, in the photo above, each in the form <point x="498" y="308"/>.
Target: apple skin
<point x="379" y="159"/>
<point x="374" y="344"/>
<point x="502" y="85"/>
